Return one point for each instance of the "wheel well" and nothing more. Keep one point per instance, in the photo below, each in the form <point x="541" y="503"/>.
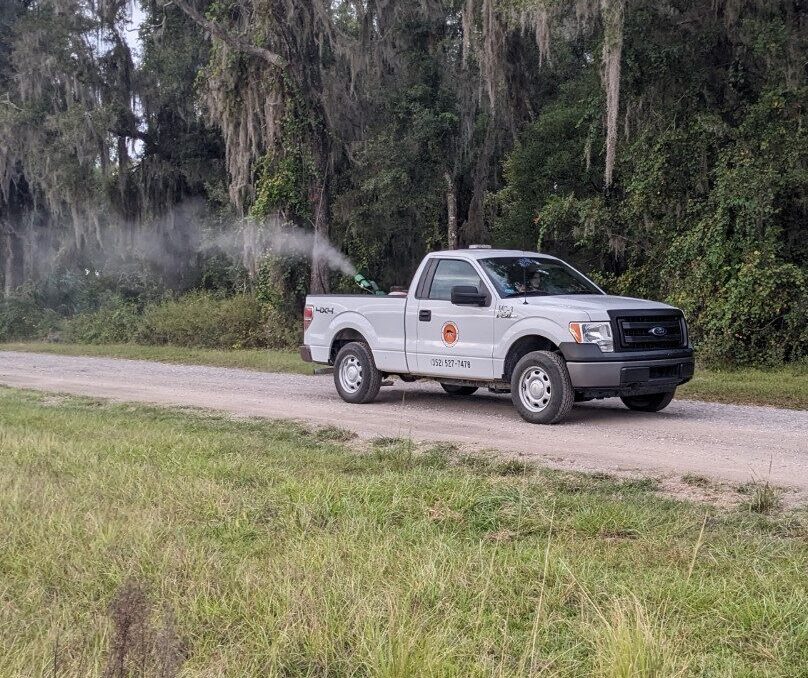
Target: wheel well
<point x="523" y="346"/>
<point x="344" y="337"/>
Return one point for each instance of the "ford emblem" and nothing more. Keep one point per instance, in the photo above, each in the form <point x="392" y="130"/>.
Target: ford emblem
<point x="658" y="331"/>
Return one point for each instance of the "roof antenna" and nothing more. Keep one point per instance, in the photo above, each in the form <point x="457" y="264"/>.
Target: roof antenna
<point x="524" y="262"/>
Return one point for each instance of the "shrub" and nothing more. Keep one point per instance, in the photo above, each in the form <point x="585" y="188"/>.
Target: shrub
<point x="117" y="323"/>
<point x="72" y="292"/>
<point x="69" y="292"/>
<point x="282" y="330"/>
<point x="197" y="320"/>
<point x="757" y="317"/>
<point x="22" y="318"/>
<point x="204" y="321"/>
<point x="216" y="272"/>
<point x="281" y="285"/>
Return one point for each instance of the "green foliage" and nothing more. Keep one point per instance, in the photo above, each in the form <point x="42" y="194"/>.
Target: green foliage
<point x="204" y="321"/>
<point x="24" y="318"/>
<point x="218" y="273"/>
<point x="284" y="176"/>
<point x="116" y="323"/>
<point x="85" y="290"/>
<point x="194" y="320"/>
<point x="387" y="117"/>
<point x="72" y="291"/>
<point x="759" y="315"/>
<point x="710" y="199"/>
<point x="392" y="209"/>
<point x="281" y="183"/>
<point x="281" y="285"/>
<point x="547" y="164"/>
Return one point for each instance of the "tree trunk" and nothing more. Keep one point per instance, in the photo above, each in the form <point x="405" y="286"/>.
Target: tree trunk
<point x="249" y="248"/>
<point x="451" y="211"/>
<point x="474" y="228"/>
<point x="319" y="262"/>
<point x="13" y="264"/>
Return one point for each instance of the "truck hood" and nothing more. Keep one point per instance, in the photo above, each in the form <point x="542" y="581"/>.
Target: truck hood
<point x="593" y="305"/>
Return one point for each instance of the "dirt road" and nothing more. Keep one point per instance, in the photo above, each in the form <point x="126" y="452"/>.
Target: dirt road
<point x="725" y="442"/>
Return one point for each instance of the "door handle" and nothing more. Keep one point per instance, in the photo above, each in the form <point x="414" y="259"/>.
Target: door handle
<point x="425" y="316"/>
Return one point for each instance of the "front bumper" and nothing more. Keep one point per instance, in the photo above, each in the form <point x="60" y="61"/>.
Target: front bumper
<point x="626" y="373"/>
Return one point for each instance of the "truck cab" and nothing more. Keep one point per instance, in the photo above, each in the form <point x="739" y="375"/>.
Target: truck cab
<point x="508" y="320"/>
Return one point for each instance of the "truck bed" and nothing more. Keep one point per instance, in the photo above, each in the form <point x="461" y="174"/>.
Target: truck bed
<point x="380" y="319"/>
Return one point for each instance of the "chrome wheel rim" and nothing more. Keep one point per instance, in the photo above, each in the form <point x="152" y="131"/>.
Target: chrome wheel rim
<point x="535" y="389"/>
<point x="350" y="374"/>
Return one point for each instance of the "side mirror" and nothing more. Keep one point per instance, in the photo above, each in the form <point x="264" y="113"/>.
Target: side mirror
<point x="467" y="295"/>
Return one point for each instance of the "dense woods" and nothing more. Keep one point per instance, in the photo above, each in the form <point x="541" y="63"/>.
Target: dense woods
<point x="659" y="144"/>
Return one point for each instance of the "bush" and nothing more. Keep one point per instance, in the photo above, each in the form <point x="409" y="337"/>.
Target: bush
<point x="118" y="323"/>
<point x="68" y="292"/>
<point x="22" y="318"/>
<point x="204" y="321"/>
<point x="758" y="317"/>
<point x="196" y="320"/>
<point x="281" y="285"/>
<point x="283" y="331"/>
<point x="216" y="272"/>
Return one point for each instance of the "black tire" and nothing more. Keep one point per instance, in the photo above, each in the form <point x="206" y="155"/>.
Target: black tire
<point x="453" y="390"/>
<point x="552" y="400"/>
<point x="362" y="383"/>
<point x="653" y="402"/>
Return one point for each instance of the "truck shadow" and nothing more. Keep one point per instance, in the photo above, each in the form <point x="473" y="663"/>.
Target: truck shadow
<point x="488" y="404"/>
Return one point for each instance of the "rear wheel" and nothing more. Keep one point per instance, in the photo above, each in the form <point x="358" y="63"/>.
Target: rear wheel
<point x="453" y="390"/>
<point x="355" y="374"/>
<point x="653" y="402"/>
<point x="541" y="389"/>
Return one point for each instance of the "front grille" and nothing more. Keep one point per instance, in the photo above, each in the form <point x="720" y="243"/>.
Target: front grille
<point x="637" y="330"/>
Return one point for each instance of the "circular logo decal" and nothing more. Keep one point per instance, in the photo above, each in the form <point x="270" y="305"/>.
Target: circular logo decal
<point x="450" y="333"/>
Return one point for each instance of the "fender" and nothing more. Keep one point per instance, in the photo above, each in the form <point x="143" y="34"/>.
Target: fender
<point x="524" y="327"/>
<point x="351" y="320"/>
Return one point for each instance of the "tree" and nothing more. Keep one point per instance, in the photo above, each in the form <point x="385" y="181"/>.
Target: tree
<point x="64" y="126"/>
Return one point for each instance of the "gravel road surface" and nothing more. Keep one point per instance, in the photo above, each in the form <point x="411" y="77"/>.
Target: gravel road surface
<point x="725" y="442"/>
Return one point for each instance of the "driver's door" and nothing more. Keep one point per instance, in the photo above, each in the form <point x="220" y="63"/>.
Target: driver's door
<point x="455" y="340"/>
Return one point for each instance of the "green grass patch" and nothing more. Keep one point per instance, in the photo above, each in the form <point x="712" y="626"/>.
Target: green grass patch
<point x="779" y="387"/>
<point x="200" y="545"/>
<point x="264" y="360"/>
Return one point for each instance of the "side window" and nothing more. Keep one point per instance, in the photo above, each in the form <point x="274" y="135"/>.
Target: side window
<point x="450" y="273"/>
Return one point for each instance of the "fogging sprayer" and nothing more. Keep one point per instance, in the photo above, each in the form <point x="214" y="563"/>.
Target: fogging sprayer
<point x="369" y="286"/>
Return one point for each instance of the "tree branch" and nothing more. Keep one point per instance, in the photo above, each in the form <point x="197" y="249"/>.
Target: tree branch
<point x="233" y="41"/>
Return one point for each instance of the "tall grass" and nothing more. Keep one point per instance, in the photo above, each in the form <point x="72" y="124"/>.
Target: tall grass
<point x="629" y="642"/>
<point x="277" y="550"/>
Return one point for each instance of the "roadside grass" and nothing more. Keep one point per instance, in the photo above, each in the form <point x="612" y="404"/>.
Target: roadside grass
<point x="262" y="360"/>
<point x="198" y="545"/>
<point x="779" y="387"/>
<point x="763" y="496"/>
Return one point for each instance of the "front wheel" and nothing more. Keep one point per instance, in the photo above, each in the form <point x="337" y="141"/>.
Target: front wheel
<point x="355" y="374"/>
<point x="541" y="389"/>
<point x="653" y="402"/>
<point x="453" y="390"/>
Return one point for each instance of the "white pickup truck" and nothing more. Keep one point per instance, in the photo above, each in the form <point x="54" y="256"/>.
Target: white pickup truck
<point x="513" y="321"/>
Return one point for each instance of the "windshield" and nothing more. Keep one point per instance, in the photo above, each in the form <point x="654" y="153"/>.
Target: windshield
<point x="534" y="276"/>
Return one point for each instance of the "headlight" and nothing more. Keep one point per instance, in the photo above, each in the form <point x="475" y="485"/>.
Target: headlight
<point x="594" y="333"/>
